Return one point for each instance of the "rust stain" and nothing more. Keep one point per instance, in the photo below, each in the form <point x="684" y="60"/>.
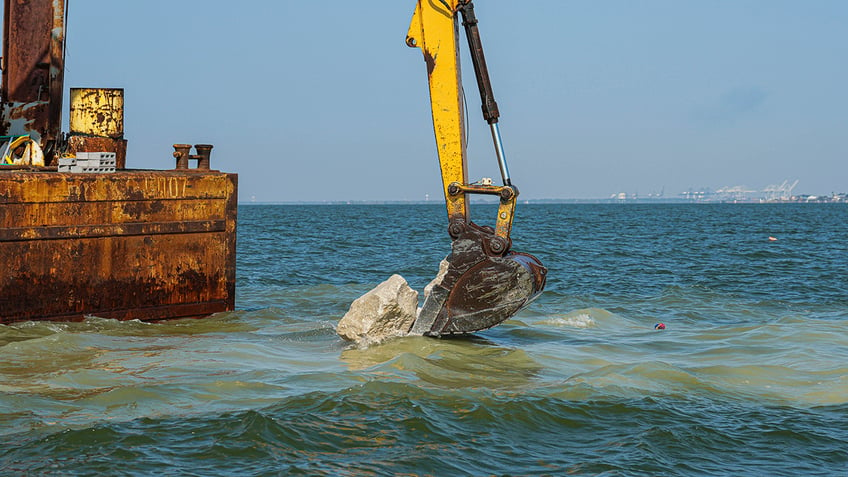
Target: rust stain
<point x="77" y="143"/>
<point x="82" y="245"/>
<point x="33" y="69"/>
<point x="430" y="60"/>
<point x="146" y="245"/>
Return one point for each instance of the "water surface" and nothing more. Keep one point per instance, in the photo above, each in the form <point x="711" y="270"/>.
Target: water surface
<point x="749" y="377"/>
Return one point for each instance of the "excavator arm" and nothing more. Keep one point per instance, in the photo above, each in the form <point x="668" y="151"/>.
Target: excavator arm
<point x="484" y="282"/>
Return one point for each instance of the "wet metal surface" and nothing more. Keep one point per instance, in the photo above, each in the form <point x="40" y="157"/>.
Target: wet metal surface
<point x="126" y="245"/>
<point x="480" y="289"/>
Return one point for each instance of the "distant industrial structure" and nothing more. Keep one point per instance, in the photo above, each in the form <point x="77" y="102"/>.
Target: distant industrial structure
<point x="772" y="193"/>
<point x="783" y="192"/>
<point x="736" y="194"/>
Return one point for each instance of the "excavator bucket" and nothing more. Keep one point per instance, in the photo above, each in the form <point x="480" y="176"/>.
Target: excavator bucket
<point x="477" y="290"/>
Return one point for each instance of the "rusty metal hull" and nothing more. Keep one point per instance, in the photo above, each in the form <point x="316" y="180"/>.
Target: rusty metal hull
<point x="147" y="245"/>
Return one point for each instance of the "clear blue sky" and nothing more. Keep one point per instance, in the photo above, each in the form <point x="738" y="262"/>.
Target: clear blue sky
<point x="323" y="100"/>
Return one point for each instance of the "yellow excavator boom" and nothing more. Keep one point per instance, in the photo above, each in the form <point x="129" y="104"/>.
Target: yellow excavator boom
<point x="434" y="31"/>
<point x="485" y="282"/>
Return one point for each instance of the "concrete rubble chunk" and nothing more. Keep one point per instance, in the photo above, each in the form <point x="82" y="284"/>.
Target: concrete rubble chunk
<point x="443" y="270"/>
<point x="384" y="312"/>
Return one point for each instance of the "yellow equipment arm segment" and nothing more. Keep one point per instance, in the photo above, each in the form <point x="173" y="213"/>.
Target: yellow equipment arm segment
<point x="435" y="31"/>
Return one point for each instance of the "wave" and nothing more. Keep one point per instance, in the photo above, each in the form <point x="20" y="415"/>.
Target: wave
<point x="388" y="427"/>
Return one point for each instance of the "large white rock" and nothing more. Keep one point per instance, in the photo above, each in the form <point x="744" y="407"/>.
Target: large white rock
<point x="386" y="311"/>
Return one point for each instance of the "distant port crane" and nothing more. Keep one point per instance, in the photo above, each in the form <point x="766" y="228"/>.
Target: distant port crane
<point x="780" y="192"/>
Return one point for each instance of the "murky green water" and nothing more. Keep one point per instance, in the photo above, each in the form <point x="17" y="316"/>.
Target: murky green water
<point x="750" y="376"/>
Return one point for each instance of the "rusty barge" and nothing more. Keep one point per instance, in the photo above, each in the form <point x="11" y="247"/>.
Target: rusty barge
<point x="80" y="234"/>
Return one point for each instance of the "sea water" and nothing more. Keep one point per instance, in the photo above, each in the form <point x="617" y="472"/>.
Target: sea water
<point x="749" y="377"/>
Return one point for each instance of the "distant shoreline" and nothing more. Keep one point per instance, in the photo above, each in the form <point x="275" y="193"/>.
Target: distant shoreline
<point x="837" y="199"/>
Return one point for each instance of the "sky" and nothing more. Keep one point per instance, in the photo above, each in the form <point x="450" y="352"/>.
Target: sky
<point x="323" y="101"/>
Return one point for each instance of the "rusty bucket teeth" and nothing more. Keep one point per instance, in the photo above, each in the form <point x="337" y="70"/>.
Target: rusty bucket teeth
<point x="479" y="291"/>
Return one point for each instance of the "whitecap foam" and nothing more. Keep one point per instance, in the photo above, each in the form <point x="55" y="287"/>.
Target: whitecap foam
<point x="573" y="320"/>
